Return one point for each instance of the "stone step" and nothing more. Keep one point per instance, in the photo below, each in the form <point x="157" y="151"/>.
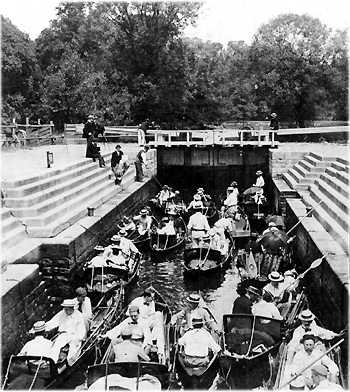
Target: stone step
<point x="39" y="197"/>
<point x="341" y="176"/>
<point x="50" y="173"/>
<point x="341" y="201"/>
<point x="47" y="182"/>
<point x="13" y="253"/>
<point x="36" y="212"/>
<point x="336" y="184"/>
<point x="316" y="162"/>
<point x="289" y="180"/>
<point x="321" y="157"/>
<point x="13" y="237"/>
<point x="340" y="166"/>
<point x="309" y="168"/>
<point x="337" y="231"/>
<point x="298" y="178"/>
<point x="329" y="207"/>
<point x="10" y="224"/>
<point x="58" y="222"/>
<point x="343" y="161"/>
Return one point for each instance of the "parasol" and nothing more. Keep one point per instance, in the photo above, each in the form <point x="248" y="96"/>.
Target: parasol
<point x="273" y="240"/>
<point x="252" y="190"/>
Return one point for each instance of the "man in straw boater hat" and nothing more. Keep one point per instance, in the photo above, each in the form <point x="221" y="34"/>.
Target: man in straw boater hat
<point x="198" y="226"/>
<point x="84" y="305"/>
<point x="192" y="310"/>
<point x="231" y="201"/>
<point x="308" y="326"/>
<point x="72" y="331"/>
<point x="319" y="375"/>
<point x="259" y="181"/>
<point x="100" y="258"/>
<point x="306" y="356"/>
<point x="145" y="222"/>
<point x="197" y="343"/>
<point x="39" y="346"/>
<point x="276" y="286"/>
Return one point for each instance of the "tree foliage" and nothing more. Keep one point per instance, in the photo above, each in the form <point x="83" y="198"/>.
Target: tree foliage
<point x="129" y="61"/>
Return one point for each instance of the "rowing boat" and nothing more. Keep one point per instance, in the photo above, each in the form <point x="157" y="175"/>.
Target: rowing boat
<point x="201" y="377"/>
<point x="162" y="244"/>
<point x="134" y="375"/>
<point x="204" y="260"/>
<point x="34" y="372"/>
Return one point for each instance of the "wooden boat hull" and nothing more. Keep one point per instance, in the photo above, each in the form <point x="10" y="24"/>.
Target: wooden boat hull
<point x="197" y="378"/>
<point x="214" y="261"/>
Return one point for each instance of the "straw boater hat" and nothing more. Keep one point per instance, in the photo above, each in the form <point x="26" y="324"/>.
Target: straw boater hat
<point x="308" y="336"/>
<point x="259" y="173"/>
<point x="143" y="212"/>
<point x="194" y="298"/>
<point x="230" y="188"/>
<point x="197" y="321"/>
<point x="273" y="115"/>
<point x="39" y="326"/>
<point x="165" y="219"/>
<point x="122" y="233"/>
<point x="275" y="276"/>
<point x="99" y="248"/>
<point x="91" y="116"/>
<point x="272" y="224"/>
<point x="234" y="183"/>
<point x="116" y="238"/>
<point x="306" y="315"/>
<point x="200" y="190"/>
<point x="320" y="369"/>
<point x="254" y="290"/>
<point x="69" y="303"/>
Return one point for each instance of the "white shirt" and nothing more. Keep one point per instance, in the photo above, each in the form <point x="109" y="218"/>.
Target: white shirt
<point x="276" y="292"/>
<point x="163" y="196"/>
<point x="260" y="182"/>
<point x="231" y="199"/>
<point x="198" y="221"/>
<point x="302" y="359"/>
<point x="145" y="310"/>
<point x="73" y="324"/>
<point x="195" y="203"/>
<point x="86" y="308"/>
<point x="326" y="385"/>
<point x="316" y="330"/>
<point x="266" y="309"/>
<point x="98" y="261"/>
<point x="115" y="332"/>
<point x="145" y="223"/>
<point x="39" y="346"/>
<point x="167" y="229"/>
<point x="197" y="343"/>
<point x="127" y="246"/>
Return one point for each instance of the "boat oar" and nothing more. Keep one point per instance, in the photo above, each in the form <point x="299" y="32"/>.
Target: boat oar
<point x="316" y="263"/>
<point x="311" y="364"/>
<point x="305" y="216"/>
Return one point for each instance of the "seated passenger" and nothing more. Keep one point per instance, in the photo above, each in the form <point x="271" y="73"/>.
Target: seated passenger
<point x="167" y="227"/>
<point x="145" y="222"/>
<point x="276" y="287"/>
<point x="204" y="197"/>
<point x="196" y="203"/>
<point x="319" y="375"/>
<point x="100" y="259"/>
<point x="265" y="307"/>
<point x="231" y="200"/>
<point x="259" y="182"/>
<point x="129" y="225"/>
<point x="197" y="343"/>
<point x="39" y="345"/>
<point x="71" y="326"/>
<point x="84" y="305"/>
<point x="127" y="247"/>
<point x="307" y="355"/>
<point x="164" y="195"/>
<point x="193" y="310"/>
<point x="242" y="304"/>
<point x="149" y="315"/>
<point x="129" y="350"/>
<point x="133" y="321"/>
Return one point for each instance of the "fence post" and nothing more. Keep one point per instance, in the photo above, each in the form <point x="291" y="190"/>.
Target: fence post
<point x="52" y="127"/>
<point x="259" y="138"/>
<point x="27" y="121"/>
<point x="39" y="121"/>
<point x="188" y="138"/>
<point x="241" y="138"/>
<point x="273" y="138"/>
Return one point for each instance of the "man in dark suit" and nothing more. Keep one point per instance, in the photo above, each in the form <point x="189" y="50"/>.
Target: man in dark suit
<point x="116" y="158"/>
<point x="93" y="127"/>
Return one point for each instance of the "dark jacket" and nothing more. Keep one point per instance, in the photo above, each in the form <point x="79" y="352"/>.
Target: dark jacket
<point x="93" y="128"/>
<point x="242" y="305"/>
<point x="274" y="124"/>
<point x="116" y="158"/>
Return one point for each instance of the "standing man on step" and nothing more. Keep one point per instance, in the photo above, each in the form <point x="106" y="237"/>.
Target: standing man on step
<point x="115" y="163"/>
<point x="140" y="162"/>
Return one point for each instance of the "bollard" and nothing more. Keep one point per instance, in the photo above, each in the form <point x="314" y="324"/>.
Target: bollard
<point x="91" y="211"/>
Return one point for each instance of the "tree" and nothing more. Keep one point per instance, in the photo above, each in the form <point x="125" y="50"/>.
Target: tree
<point x="20" y="72"/>
<point x="287" y="56"/>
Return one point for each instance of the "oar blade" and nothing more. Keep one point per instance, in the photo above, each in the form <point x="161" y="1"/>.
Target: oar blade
<point x="316" y="263"/>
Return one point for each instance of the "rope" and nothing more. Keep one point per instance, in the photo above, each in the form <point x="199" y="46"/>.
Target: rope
<point x="251" y="337"/>
<point x="36" y="374"/>
<point x="7" y="373"/>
